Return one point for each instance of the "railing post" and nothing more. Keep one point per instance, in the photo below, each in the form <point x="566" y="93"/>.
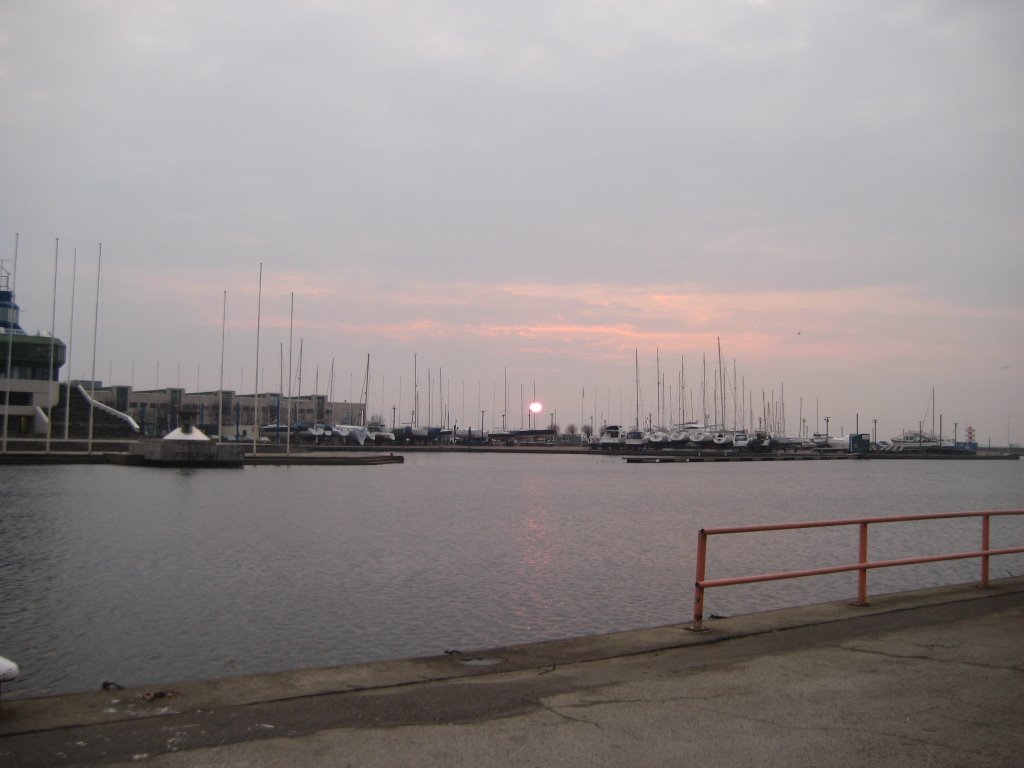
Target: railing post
<point x="984" y="548"/>
<point x="698" y="587"/>
<point x="862" y="573"/>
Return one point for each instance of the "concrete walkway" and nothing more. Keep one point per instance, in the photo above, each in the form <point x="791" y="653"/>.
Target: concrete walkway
<point x="930" y="678"/>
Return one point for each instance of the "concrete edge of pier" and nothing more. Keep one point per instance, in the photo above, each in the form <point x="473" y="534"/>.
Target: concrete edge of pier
<point x="51" y="713"/>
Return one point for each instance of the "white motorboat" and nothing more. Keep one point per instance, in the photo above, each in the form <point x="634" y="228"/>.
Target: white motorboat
<point x="919" y="441"/>
<point x="635" y="439"/>
<point x="612" y="436"/>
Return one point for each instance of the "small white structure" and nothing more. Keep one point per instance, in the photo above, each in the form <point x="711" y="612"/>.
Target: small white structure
<point x="187" y="432"/>
<point x="8" y="671"/>
<point x="187" y="446"/>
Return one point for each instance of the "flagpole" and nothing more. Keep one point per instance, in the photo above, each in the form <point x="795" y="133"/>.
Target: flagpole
<point x="95" y="327"/>
<point x="53" y="338"/>
<point x="220" y="401"/>
<point x="71" y="336"/>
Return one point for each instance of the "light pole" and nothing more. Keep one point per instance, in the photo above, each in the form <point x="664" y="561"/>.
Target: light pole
<point x="826" y="427"/>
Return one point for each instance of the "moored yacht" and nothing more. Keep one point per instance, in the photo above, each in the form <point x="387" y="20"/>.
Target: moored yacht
<point x="658" y="438"/>
<point x="722" y="438"/>
<point x="381" y="435"/>
<point x="612" y="436"/>
<point x="351" y="433"/>
<point x="678" y="437"/>
<point x="919" y="441"/>
<point x="636" y="439"/>
<point x="700" y="436"/>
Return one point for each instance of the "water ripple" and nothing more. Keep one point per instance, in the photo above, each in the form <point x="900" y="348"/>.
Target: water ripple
<point x="148" y="576"/>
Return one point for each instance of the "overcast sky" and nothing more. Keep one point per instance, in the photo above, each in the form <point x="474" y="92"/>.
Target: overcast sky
<point x="531" y="192"/>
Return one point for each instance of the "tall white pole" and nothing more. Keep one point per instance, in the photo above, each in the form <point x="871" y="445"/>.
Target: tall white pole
<point x="256" y="391"/>
<point x="291" y="328"/>
<point x="220" y="389"/>
<point x="53" y="341"/>
<point x="10" y="347"/>
<point x="71" y="336"/>
<point x="95" y="327"/>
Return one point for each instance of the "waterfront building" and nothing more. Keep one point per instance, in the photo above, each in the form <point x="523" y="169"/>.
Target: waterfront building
<point x="29" y="369"/>
<point x="224" y="413"/>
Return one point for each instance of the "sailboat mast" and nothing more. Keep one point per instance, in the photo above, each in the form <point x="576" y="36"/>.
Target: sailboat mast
<point x="721" y="381"/>
<point x="256" y="390"/>
<point x="682" y="389"/>
<point x="782" y="395"/>
<point x="636" y="374"/>
<point x="657" y="372"/>
<point x="704" y="386"/>
<point x="743" y="403"/>
<point x="291" y="329"/>
<point x="734" y="408"/>
<point x="366" y="389"/>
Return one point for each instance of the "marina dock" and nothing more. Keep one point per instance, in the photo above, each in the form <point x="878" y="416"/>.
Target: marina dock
<point x="120" y="455"/>
<point x="31" y="451"/>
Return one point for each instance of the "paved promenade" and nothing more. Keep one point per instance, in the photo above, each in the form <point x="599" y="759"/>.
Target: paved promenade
<point x="930" y="678"/>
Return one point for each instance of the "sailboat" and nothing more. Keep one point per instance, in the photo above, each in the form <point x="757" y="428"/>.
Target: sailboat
<point x="636" y="438"/>
<point x="722" y="436"/>
<point x="920" y="440"/>
<point x="376" y="431"/>
<point x="355" y="433"/>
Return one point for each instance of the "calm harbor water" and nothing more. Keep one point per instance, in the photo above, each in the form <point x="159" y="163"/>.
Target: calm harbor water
<point x="147" y="576"/>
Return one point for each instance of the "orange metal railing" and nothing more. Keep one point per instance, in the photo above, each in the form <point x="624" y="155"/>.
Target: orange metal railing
<point x="862" y="566"/>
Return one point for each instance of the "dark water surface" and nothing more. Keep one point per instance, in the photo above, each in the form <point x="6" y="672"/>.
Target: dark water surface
<point x="148" y="576"/>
